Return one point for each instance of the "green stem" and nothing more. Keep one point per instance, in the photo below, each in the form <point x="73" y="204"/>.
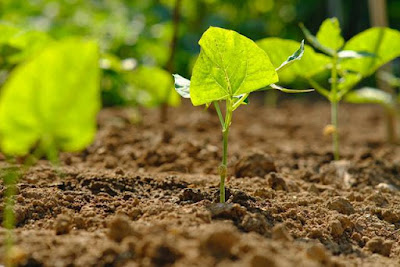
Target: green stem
<point x="223" y="170"/>
<point x="334" y="109"/>
<point x="335" y="135"/>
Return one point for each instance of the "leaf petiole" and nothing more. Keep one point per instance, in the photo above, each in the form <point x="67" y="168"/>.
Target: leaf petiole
<point x="221" y="119"/>
<point x="239" y="102"/>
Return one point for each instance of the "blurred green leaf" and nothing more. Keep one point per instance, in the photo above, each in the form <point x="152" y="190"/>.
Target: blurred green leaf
<point x="278" y="50"/>
<point x="315" y="42"/>
<point x="52" y="100"/>
<point x="354" y="54"/>
<point x="382" y="42"/>
<point x="329" y="34"/>
<point x="229" y="65"/>
<point x="389" y="78"/>
<point x="370" y="95"/>
<point x="153" y="86"/>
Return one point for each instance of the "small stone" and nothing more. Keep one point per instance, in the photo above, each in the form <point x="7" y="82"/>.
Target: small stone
<point x="62" y="224"/>
<point x="341" y="205"/>
<point x="336" y="228"/>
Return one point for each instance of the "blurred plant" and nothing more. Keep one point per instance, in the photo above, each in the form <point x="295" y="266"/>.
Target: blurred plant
<point x="348" y="63"/>
<point x="48" y="104"/>
<point x="230" y="66"/>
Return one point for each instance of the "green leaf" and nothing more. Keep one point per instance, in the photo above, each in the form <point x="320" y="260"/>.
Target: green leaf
<point x="329" y="34"/>
<point x="382" y="42"/>
<point x="370" y="95"/>
<point x="315" y="42"/>
<point x="389" y="78"/>
<point x="280" y="88"/>
<point x="52" y="100"/>
<point x="153" y="86"/>
<point x="310" y="64"/>
<point x="182" y="86"/>
<point x="28" y="43"/>
<point x="297" y="55"/>
<point x="347" y="82"/>
<point x="354" y="54"/>
<point x="229" y="65"/>
<point x="7" y="32"/>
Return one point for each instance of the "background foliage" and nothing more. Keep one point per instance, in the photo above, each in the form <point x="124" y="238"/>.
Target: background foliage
<point x="141" y="30"/>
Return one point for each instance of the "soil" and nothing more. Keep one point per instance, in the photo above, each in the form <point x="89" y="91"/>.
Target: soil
<point x="146" y="194"/>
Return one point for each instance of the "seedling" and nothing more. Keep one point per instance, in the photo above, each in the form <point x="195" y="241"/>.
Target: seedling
<point x="48" y="104"/>
<point x="230" y="66"/>
<point x="348" y="63"/>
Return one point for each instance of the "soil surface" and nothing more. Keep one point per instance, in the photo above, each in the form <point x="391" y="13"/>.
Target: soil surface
<point x="145" y="194"/>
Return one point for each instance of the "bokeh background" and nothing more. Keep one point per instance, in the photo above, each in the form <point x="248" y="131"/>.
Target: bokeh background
<point x="141" y="30"/>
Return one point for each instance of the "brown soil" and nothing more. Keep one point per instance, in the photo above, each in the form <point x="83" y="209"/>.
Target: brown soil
<point x="145" y="195"/>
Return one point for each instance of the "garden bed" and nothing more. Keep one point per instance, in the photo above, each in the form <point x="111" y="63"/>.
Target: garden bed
<point x="145" y="194"/>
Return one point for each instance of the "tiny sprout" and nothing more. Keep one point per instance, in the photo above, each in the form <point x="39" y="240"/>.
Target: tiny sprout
<point x="230" y="66"/>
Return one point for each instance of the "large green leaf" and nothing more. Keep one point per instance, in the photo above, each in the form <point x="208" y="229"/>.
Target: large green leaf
<point x="384" y="43"/>
<point x="370" y="95"/>
<point x="278" y="51"/>
<point x="329" y="34"/>
<point x="229" y="65"/>
<point x="153" y="86"/>
<point x="52" y="99"/>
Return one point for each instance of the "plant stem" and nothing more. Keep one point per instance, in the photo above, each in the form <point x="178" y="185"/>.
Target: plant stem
<point x="334" y="109"/>
<point x="223" y="169"/>
<point x="335" y="135"/>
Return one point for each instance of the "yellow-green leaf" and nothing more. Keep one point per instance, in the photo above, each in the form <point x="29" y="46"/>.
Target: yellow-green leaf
<point x="278" y="51"/>
<point x="383" y="43"/>
<point x="329" y="34"/>
<point x="52" y="99"/>
<point x="229" y="65"/>
<point x="153" y="87"/>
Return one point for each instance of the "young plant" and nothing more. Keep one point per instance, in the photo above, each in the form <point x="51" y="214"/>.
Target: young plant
<point x="348" y="63"/>
<point x="48" y="104"/>
<point x="230" y="66"/>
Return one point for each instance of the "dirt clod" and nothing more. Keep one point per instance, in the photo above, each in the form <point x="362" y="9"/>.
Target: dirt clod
<point x="276" y="182"/>
<point x="341" y="205"/>
<point x="119" y="228"/>
<point x="62" y="224"/>
<point x="254" y="164"/>
<point x="380" y="246"/>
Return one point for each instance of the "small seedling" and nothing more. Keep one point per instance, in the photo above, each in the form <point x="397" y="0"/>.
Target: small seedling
<point x="348" y="63"/>
<point x="230" y="66"/>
